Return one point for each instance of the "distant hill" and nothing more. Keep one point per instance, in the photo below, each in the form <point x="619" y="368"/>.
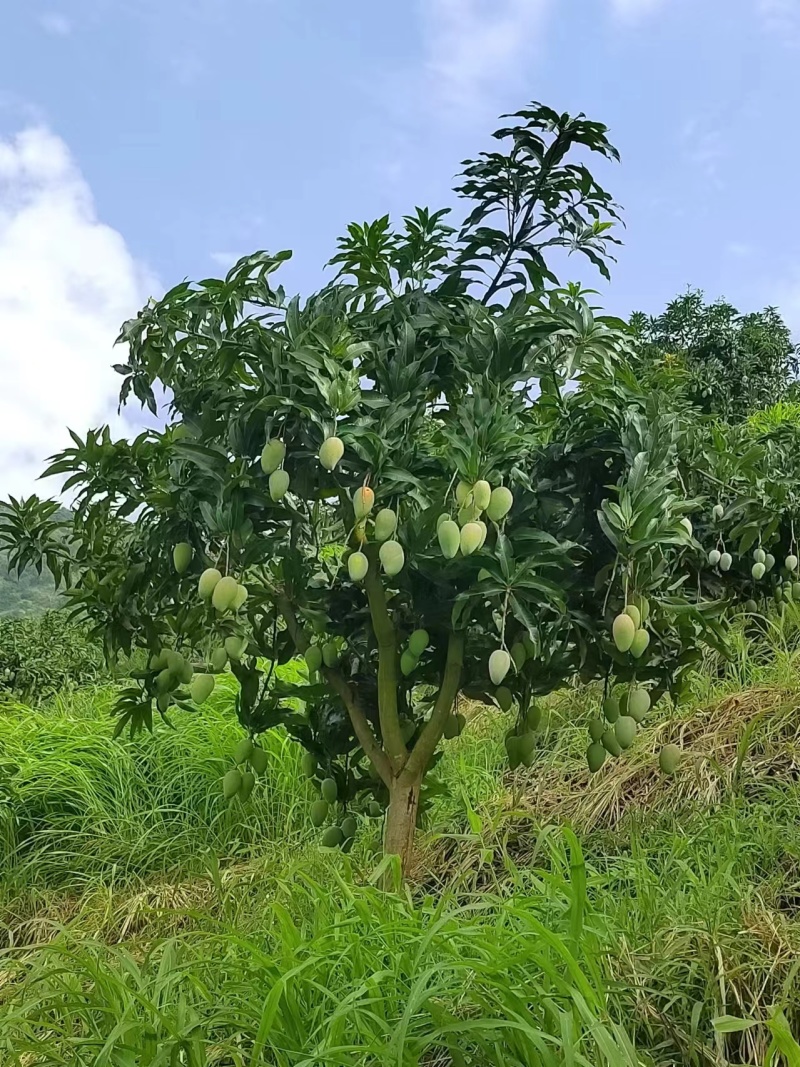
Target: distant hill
<point x="31" y="594"/>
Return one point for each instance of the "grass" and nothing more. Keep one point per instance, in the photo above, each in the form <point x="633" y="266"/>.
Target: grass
<point x="143" y="918"/>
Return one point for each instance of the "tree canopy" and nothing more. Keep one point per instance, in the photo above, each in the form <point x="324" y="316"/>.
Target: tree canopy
<point x="389" y="484"/>
<point x="730" y="364"/>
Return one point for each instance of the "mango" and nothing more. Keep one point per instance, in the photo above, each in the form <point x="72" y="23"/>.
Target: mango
<point x="392" y="557"/>
<point x="319" y="812"/>
<point x="363" y="501"/>
<point x="330" y="654"/>
<point x="610" y="743"/>
<point x="499" y="664"/>
<point x="758" y="570"/>
<point x="385" y="524"/>
<point x="258" y="759"/>
<point x="500" y="503"/>
<point x="449" y="539"/>
<point x="308" y="764"/>
<point x="595" y="757"/>
<point x="240" y="598"/>
<point x="725" y="561"/>
<point x="357" y="566"/>
<point x="329" y="790"/>
<point x="641" y="639"/>
<point x="224" y="596"/>
<point x="633" y="612"/>
<point x="482" y="495"/>
<point x="248" y="783"/>
<point x="243" y="751"/>
<point x="623" y="630"/>
<point x="418" y="642"/>
<point x="596" y="729"/>
<point x="504" y="698"/>
<point x="235" y="647"/>
<point x="278" y="485"/>
<point x="272" y="455"/>
<point x="208" y="582"/>
<point x="165" y="681"/>
<point x="625" y="731"/>
<point x="463" y="493"/>
<point x="313" y="658"/>
<point x="669" y="758"/>
<point x="333" y="837"/>
<point x="518" y="655"/>
<point x="331" y="452"/>
<point x="182" y="555"/>
<point x="408" y="661"/>
<point x="714" y="556"/>
<point x="349" y="827"/>
<point x="638" y="703"/>
<point x="202" y="687"/>
<point x="218" y="660"/>
<point x="513" y="751"/>
<point x="471" y="537"/>
<point x="526" y="746"/>
<point x="231" y="783"/>
<point x="611" y="708"/>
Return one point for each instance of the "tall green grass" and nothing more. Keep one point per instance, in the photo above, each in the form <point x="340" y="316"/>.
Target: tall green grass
<point x="80" y="806"/>
<point x="326" y="973"/>
<point x="172" y="926"/>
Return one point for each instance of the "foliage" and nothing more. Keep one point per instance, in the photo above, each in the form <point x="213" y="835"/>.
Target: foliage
<point x="688" y="908"/>
<point x="425" y="383"/>
<point x="44" y="654"/>
<point x="727" y="363"/>
<point x="30" y="591"/>
<point x="78" y="807"/>
<point x="355" y="976"/>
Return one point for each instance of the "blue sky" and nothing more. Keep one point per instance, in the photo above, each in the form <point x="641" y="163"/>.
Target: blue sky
<point x="142" y="141"/>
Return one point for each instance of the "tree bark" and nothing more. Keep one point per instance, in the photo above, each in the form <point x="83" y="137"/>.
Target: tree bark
<point x="401" y="819"/>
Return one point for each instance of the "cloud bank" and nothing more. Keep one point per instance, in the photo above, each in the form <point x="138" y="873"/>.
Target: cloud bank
<point x="67" y="281"/>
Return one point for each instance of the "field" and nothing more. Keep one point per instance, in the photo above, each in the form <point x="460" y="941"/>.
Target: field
<point x="633" y="919"/>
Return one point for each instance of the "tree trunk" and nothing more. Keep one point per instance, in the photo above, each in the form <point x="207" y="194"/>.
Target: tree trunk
<point x="401" y="819"/>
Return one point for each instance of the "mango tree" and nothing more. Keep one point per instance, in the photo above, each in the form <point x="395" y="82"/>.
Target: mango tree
<point x="418" y="491"/>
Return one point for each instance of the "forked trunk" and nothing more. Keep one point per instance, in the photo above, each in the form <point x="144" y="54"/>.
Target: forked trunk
<point x="401" y="820"/>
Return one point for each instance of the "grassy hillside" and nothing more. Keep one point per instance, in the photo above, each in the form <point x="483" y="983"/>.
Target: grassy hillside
<point x="552" y="919"/>
<point x="31" y="594"/>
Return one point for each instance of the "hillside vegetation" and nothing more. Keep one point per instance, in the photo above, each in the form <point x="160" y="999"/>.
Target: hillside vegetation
<point x="138" y="911"/>
<point x="29" y="594"/>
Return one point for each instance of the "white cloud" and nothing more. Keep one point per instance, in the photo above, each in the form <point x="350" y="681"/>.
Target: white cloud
<point x="786" y="297"/>
<point x="67" y="282"/>
<point x="781" y="17"/>
<point x="56" y="23"/>
<point x="630" y="10"/>
<point x="224" y="259"/>
<point x="473" y="45"/>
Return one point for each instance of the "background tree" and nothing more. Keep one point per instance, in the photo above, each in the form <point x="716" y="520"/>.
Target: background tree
<point x="729" y="364"/>
<point x="364" y="480"/>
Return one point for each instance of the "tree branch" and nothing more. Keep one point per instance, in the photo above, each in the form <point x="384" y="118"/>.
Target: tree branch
<point x="548" y="161"/>
<point x="361" y="726"/>
<point x="386" y="637"/>
<point x="434" y="728"/>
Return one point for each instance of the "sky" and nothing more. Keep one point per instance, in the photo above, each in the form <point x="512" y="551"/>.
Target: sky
<point x="147" y="141"/>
